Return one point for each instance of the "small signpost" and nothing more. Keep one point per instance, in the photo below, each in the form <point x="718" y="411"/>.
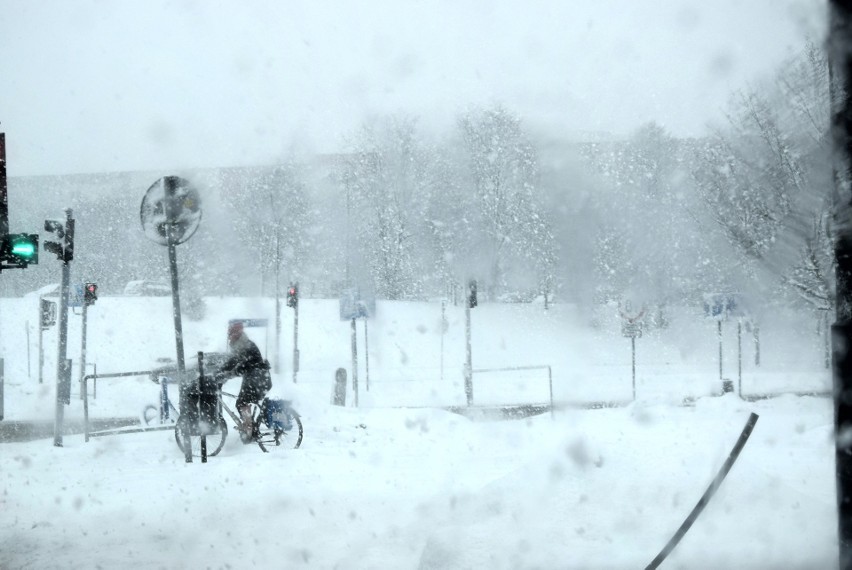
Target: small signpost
<point x="721" y="307"/>
<point x="354" y="306"/>
<point x="631" y="327"/>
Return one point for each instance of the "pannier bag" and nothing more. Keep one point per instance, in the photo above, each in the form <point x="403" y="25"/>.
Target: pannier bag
<point x="277" y="415"/>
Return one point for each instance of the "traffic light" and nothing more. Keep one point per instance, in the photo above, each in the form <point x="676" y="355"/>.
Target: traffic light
<point x="471" y="297"/>
<point x="19" y="250"/>
<point x="90" y="293"/>
<point x="293" y="295"/>
<point x="64" y="250"/>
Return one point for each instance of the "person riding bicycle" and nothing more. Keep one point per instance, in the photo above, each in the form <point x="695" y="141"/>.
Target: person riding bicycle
<point x="245" y="361"/>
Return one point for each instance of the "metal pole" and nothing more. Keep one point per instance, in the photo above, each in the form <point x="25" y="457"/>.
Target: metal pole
<point x="278" y="299"/>
<point x="171" y="216"/>
<point x="633" y="352"/>
<point x="176" y="309"/>
<point x="296" y="338"/>
<point x="756" y="334"/>
<point x="199" y="387"/>
<point x="550" y="385"/>
<point x="83" y="346"/>
<point x="84" y="384"/>
<point x="62" y="374"/>
<point x="827" y="333"/>
<point x="468" y="365"/>
<point x="29" y="358"/>
<point x="164" y="400"/>
<point x="719" y="334"/>
<point x="740" y="356"/>
<point x="366" y="354"/>
<point x="2" y="384"/>
<point x="354" y="362"/>
<point x="840" y="74"/>
<point x="443" y="327"/>
<point x="40" y="342"/>
<point x="181" y="363"/>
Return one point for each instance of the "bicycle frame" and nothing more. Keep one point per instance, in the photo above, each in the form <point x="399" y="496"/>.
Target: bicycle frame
<point x="237" y="420"/>
<point x="270" y="435"/>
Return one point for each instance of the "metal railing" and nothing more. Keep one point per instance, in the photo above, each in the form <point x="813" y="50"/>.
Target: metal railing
<point x="512" y="368"/>
<point x="84" y="389"/>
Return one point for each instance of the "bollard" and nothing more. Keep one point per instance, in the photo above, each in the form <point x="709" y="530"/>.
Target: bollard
<point x="338" y="395"/>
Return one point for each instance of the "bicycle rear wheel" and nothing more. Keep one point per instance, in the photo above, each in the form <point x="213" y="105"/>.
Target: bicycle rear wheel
<point x="215" y="441"/>
<point x="293" y="437"/>
<point x="275" y="439"/>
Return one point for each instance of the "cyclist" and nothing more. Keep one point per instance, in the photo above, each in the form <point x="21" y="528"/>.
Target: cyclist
<point x="246" y="361"/>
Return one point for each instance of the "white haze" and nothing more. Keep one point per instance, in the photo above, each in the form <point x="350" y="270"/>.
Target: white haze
<point x="94" y="86"/>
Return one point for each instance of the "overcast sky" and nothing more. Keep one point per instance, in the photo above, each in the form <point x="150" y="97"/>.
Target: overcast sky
<point x="99" y="86"/>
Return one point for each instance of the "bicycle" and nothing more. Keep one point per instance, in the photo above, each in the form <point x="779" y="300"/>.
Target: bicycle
<point x="277" y="426"/>
<point x="165" y="375"/>
<point x="165" y="411"/>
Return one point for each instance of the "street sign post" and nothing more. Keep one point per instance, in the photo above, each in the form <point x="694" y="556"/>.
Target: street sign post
<point x="170" y="214"/>
<point x="353" y="306"/>
<point x="721" y="307"/>
<point x="631" y="327"/>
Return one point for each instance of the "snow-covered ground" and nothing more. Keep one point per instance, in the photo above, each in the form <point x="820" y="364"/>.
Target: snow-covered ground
<point x="399" y="482"/>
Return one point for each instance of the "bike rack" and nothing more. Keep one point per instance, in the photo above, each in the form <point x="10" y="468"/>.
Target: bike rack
<point x="85" y="391"/>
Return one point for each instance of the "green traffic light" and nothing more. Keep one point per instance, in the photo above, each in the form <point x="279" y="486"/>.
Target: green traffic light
<point x="23" y="249"/>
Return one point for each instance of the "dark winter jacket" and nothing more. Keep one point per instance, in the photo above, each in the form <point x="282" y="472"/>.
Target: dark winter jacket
<point x="246" y="361"/>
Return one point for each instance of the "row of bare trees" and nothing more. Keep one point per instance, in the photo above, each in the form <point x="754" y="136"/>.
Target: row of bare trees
<point x="413" y="215"/>
<point x="745" y="209"/>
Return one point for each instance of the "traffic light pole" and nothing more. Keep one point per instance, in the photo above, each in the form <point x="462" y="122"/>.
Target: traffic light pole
<point x="468" y="364"/>
<point x="40" y="341"/>
<point x="83" y="349"/>
<point x="295" y="341"/>
<point x="366" y="355"/>
<point x="355" y="361"/>
<point x="62" y="372"/>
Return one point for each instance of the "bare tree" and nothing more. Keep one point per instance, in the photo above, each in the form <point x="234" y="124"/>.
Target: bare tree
<point x="503" y="168"/>
<point x="383" y="180"/>
<point x="766" y="179"/>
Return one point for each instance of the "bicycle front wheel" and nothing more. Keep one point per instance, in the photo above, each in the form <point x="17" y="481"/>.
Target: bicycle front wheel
<point x="215" y="441"/>
<point x="150" y="415"/>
